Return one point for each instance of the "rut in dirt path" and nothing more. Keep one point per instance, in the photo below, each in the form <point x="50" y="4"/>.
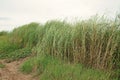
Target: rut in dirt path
<point x="11" y="72"/>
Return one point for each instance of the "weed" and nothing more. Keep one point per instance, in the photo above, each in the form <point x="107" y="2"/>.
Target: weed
<point x="2" y="65"/>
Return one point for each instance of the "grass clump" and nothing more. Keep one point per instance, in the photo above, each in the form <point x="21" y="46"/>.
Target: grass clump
<point x="89" y="42"/>
<point x="51" y="68"/>
<point x="94" y="42"/>
<point x="27" y="67"/>
<point x="26" y="35"/>
<point x="19" y="54"/>
<point x="3" y="33"/>
<point x="6" y="46"/>
<point x="2" y="65"/>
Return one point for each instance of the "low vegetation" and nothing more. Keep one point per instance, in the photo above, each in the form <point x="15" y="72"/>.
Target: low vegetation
<point x="2" y="65"/>
<point x="50" y="68"/>
<point x="86" y="50"/>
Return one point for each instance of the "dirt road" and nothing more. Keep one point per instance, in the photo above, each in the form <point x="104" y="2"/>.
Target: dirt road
<point x="11" y="71"/>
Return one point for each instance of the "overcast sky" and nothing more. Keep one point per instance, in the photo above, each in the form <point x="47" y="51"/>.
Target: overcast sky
<point x="18" y="12"/>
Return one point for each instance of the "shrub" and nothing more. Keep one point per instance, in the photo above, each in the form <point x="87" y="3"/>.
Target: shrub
<point x="26" y="35"/>
<point x="6" y="46"/>
<point x="19" y="54"/>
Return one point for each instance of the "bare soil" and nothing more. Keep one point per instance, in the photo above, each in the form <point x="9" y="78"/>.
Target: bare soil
<point x="11" y="71"/>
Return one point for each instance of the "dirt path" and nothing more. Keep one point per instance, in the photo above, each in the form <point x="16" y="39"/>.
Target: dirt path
<point x="11" y="72"/>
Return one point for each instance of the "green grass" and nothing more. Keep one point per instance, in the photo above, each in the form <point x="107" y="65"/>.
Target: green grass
<point x="3" y="33"/>
<point x="94" y="43"/>
<point x="6" y="46"/>
<point x="89" y="42"/>
<point x="65" y="71"/>
<point x="26" y="35"/>
<point x="19" y="54"/>
<point x="12" y="51"/>
<point x="2" y="65"/>
<point x="27" y="66"/>
<point x="50" y="68"/>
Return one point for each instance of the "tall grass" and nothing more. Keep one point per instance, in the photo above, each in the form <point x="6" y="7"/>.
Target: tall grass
<point x="25" y="35"/>
<point x="89" y="42"/>
<point x="6" y="46"/>
<point x="94" y="42"/>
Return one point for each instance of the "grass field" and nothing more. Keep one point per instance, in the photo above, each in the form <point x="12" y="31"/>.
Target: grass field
<point x="86" y="50"/>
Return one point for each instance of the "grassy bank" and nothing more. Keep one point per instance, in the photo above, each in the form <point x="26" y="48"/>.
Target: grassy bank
<point x="50" y="68"/>
<point x="92" y="43"/>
